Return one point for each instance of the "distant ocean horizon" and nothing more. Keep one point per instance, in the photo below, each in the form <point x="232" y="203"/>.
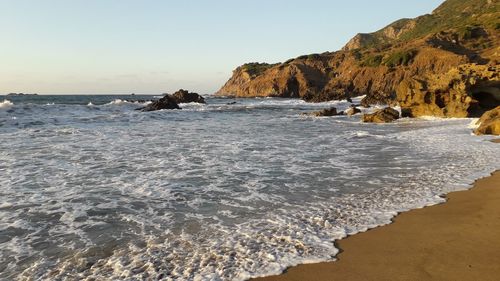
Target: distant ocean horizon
<point x="90" y="187"/>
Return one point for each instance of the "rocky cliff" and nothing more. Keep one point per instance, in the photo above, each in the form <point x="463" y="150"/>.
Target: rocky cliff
<point x="445" y="61"/>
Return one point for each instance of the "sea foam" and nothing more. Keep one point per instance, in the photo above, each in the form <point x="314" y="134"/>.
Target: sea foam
<point x="224" y="193"/>
<point x="6" y="104"/>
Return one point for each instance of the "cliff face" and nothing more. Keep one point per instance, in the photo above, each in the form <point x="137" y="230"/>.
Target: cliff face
<point x="402" y="63"/>
<point x="465" y="91"/>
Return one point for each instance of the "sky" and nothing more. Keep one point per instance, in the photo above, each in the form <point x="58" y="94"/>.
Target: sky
<point x="159" y="46"/>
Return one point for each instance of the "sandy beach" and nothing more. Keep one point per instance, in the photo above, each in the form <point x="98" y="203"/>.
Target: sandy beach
<point x="457" y="240"/>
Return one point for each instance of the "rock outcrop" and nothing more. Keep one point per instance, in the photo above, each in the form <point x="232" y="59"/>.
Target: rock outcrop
<point x="359" y="41"/>
<point x="172" y="101"/>
<point x="489" y="123"/>
<point x="385" y="115"/>
<point x="352" y="111"/>
<point x="405" y="62"/>
<point x="325" y="112"/>
<point x="166" y="102"/>
<point x="183" y="96"/>
<point x="464" y="91"/>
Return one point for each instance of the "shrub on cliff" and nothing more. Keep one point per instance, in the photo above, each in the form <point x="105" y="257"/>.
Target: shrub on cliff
<point x="255" y="68"/>
<point x="404" y="57"/>
<point x="372" y="61"/>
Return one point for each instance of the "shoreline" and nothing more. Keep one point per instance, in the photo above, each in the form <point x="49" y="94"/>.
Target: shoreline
<point x="455" y="240"/>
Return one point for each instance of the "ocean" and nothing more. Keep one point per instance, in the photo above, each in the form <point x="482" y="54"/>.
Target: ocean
<point x="92" y="189"/>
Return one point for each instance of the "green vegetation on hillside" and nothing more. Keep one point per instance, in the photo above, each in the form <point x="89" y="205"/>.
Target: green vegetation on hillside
<point x="309" y="57"/>
<point x="398" y="58"/>
<point x="372" y="61"/>
<point x="452" y="15"/>
<point x="255" y="68"/>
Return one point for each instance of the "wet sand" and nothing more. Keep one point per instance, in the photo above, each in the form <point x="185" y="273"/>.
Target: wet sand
<point x="457" y="240"/>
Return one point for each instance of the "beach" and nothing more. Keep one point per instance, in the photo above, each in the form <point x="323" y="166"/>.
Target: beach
<point x="319" y="142"/>
<point x="457" y="240"/>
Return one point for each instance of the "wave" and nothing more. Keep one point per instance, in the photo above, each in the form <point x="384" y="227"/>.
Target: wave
<point x="473" y="123"/>
<point x="214" y="198"/>
<point x="365" y="134"/>
<point x="117" y="102"/>
<point x="125" y="102"/>
<point x="6" y="104"/>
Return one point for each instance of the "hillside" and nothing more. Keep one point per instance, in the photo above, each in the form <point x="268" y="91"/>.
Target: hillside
<point x="461" y="16"/>
<point x="425" y="64"/>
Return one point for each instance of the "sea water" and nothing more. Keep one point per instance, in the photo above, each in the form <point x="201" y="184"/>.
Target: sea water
<point x="91" y="189"/>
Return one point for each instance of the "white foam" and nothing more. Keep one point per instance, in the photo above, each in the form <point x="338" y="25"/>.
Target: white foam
<point x="118" y="102"/>
<point x="6" y="104"/>
<point x="228" y="197"/>
<point x="125" y="102"/>
<point x="473" y="123"/>
<point x="192" y="105"/>
<point x="436" y="118"/>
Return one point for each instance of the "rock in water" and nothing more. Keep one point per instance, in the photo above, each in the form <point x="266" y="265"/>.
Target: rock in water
<point x="489" y="123"/>
<point x="325" y="112"/>
<point x="183" y="96"/>
<point x="352" y="111"/>
<point x="167" y="102"/>
<point x="385" y="115"/>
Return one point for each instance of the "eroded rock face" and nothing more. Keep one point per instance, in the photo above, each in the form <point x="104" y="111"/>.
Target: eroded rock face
<point x="340" y="75"/>
<point x="183" y="96"/>
<point x="489" y="123"/>
<point x="385" y="115"/>
<point x="290" y="80"/>
<point x="465" y="91"/>
<point x="166" y="102"/>
<point x="358" y="41"/>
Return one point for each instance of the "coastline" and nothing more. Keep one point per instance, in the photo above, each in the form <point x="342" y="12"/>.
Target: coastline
<point x="456" y="240"/>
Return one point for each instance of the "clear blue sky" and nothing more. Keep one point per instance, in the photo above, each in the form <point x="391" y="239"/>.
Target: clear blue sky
<point x="154" y="46"/>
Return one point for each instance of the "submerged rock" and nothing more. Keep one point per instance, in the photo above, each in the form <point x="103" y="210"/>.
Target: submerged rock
<point x="183" y="96"/>
<point x="385" y="115"/>
<point x="325" y="112"/>
<point x="489" y="123"/>
<point x="138" y="101"/>
<point x="166" y="102"/>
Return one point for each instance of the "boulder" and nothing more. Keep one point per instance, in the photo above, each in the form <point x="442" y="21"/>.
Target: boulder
<point x="325" y="112"/>
<point x="352" y="111"/>
<point x="489" y="123"/>
<point x="166" y="102"/>
<point x="183" y="96"/>
<point x="385" y="115"/>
